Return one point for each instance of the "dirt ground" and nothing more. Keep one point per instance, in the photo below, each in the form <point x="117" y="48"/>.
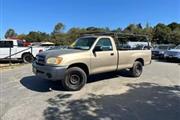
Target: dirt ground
<point x="109" y="96"/>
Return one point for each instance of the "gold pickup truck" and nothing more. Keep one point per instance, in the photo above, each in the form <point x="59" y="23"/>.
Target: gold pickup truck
<point x="92" y="54"/>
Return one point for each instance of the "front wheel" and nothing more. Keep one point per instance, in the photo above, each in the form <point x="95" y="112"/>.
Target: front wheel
<point x="27" y="58"/>
<point x="137" y="69"/>
<point x="75" y="79"/>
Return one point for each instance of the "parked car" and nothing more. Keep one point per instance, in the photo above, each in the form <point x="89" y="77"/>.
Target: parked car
<point x="15" y="50"/>
<point x="159" y="50"/>
<point x="89" y="55"/>
<point x="173" y="54"/>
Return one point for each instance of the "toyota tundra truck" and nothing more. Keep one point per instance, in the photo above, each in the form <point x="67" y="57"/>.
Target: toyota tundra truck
<point x="92" y="54"/>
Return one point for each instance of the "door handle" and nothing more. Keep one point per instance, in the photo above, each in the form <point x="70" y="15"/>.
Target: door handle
<point x="112" y="54"/>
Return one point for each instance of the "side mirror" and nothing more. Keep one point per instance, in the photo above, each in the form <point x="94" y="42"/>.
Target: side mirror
<point x="169" y="48"/>
<point x="96" y="49"/>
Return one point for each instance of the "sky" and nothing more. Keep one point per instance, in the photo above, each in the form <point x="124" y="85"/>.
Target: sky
<point x="42" y="15"/>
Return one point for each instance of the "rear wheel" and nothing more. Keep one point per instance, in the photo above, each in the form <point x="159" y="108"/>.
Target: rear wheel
<point x="75" y="79"/>
<point x="137" y="69"/>
<point x="27" y="58"/>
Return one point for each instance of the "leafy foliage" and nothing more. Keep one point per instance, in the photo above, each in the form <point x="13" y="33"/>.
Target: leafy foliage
<point x="37" y="36"/>
<point x="58" y="28"/>
<point x="160" y="33"/>
<point x="135" y="29"/>
<point x="10" y="33"/>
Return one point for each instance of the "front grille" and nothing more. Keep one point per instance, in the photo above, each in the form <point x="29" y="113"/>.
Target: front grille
<point x="40" y="60"/>
<point x="155" y="52"/>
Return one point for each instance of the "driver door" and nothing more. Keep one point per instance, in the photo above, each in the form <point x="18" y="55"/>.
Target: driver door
<point x="105" y="59"/>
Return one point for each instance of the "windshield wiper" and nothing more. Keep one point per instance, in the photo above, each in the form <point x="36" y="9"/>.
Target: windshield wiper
<point x="76" y="48"/>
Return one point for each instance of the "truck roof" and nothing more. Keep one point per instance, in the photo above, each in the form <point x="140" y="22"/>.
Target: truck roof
<point x="113" y="34"/>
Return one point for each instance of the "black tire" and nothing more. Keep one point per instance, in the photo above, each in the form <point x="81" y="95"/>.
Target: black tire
<point x="75" y="79"/>
<point x="27" y="58"/>
<point x="137" y="69"/>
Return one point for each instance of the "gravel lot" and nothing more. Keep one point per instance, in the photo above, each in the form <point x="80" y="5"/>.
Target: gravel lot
<point x="153" y="96"/>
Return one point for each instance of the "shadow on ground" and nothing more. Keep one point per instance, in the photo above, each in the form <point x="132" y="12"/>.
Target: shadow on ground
<point x="37" y="84"/>
<point x="144" y="101"/>
<point x="12" y="61"/>
<point x="109" y="75"/>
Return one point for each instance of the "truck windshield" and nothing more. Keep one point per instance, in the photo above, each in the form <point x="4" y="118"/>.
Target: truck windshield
<point x="178" y="47"/>
<point x="83" y="43"/>
<point x="163" y="47"/>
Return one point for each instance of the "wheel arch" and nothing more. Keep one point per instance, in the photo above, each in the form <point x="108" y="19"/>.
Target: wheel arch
<point x="26" y="53"/>
<point x="83" y="66"/>
<point x="140" y="60"/>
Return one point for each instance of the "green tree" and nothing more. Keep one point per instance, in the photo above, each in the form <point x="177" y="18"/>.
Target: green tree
<point x="107" y="29"/>
<point x="175" y="37"/>
<point x="10" y="33"/>
<point x="117" y="30"/>
<point x="148" y="30"/>
<point x="37" y="36"/>
<point x="73" y="33"/>
<point x="161" y="34"/>
<point x="21" y="36"/>
<point x="57" y="36"/>
<point x="58" y="28"/>
<point x="132" y="28"/>
<point x="97" y="29"/>
<point x="139" y="26"/>
<point x="174" y="26"/>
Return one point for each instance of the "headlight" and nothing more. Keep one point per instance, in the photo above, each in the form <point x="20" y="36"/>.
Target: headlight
<point x="165" y="54"/>
<point x="162" y="52"/>
<point x="54" y="60"/>
<point x="178" y="55"/>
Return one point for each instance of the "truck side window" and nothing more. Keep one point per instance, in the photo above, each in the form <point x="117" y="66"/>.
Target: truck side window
<point x="123" y="44"/>
<point x="20" y="43"/>
<point x="132" y="44"/>
<point x="105" y="44"/>
<point x="6" y="44"/>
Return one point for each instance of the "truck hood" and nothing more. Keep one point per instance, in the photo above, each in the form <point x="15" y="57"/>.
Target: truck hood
<point x="55" y="53"/>
<point x="158" y="50"/>
<point x="174" y="50"/>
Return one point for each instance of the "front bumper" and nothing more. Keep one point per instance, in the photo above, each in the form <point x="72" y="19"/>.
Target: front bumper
<point x="172" y="58"/>
<point x="49" y="72"/>
<point x="159" y="55"/>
